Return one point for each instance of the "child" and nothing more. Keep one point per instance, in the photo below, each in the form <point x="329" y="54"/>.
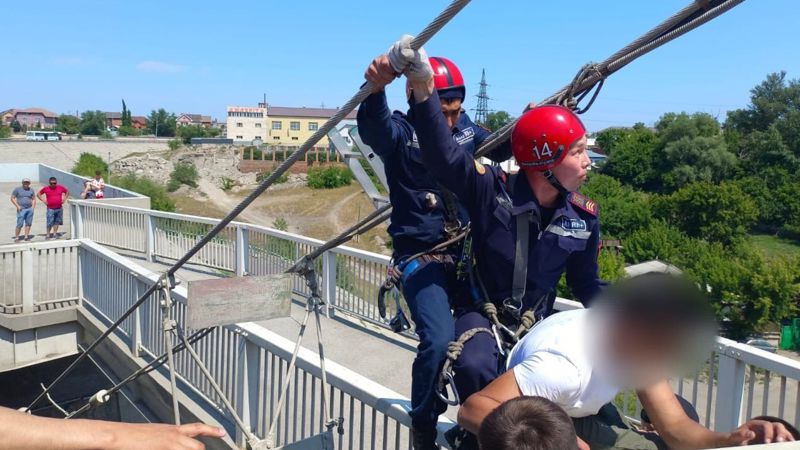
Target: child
<point x="528" y="423"/>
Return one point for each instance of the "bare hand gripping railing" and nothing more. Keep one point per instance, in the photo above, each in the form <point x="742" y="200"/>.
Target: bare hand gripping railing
<point x="434" y="27"/>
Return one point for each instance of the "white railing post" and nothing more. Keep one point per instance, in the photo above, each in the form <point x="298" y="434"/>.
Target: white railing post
<point x="136" y="332"/>
<point x="248" y="377"/>
<point x="242" y="251"/>
<point x="150" y="237"/>
<point x="27" y="281"/>
<point x="730" y="390"/>
<point x="76" y="221"/>
<point x="329" y="282"/>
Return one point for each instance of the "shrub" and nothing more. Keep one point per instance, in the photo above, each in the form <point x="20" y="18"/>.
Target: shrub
<point x="227" y="183"/>
<point x="184" y="173"/>
<point x="127" y="130"/>
<point x="88" y="163"/>
<point x="263" y="176"/>
<point x="159" y="200"/>
<point x="280" y="224"/>
<point x="5" y="132"/>
<point x="174" y="144"/>
<point x="329" y="177"/>
<point x="106" y="135"/>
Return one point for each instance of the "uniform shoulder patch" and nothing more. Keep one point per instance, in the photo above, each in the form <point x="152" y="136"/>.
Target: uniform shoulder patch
<point x="584" y="203"/>
<point x="480" y="168"/>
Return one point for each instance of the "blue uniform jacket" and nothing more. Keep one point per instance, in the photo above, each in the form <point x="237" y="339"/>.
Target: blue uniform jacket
<point x="569" y="242"/>
<point x="414" y="225"/>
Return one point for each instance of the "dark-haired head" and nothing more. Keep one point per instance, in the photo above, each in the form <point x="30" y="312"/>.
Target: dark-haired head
<point x="527" y="423"/>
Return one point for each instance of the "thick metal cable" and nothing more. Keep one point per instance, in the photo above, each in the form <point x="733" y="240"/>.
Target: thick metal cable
<point x="674" y="27"/>
<point x="153" y="365"/>
<point x="422" y="38"/>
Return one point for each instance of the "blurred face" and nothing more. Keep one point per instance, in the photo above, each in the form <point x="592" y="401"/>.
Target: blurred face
<point x="452" y="111"/>
<point x="26" y="184"/>
<point x="53" y="183"/>
<point x="573" y="169"/>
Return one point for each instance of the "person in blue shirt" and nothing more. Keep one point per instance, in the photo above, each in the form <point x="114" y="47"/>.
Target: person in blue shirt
<point x="527" y="229"/>
<point x="423" y="216"/>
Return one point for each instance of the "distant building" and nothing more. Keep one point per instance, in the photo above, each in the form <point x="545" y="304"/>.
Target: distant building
<point x="278" y="125"/>
<point x="7" y="116"/>
<point x="114" y="121"/>
<point x="31" y="117"/>
<point x="194" y="119"/>
<point x="246" y="124"/>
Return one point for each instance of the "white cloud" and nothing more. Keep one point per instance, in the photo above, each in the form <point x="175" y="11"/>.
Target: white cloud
<point x="159" y="67"/>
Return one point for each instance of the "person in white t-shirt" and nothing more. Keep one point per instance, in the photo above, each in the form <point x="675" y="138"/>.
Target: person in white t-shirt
<point x="641" y="332"/>
<point x="98" y="185"/>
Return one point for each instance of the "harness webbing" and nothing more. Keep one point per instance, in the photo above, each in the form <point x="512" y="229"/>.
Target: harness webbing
<point x="521" y="258"/>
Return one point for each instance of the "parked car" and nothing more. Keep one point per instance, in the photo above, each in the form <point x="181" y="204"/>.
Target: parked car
<point x="762" y="344"/>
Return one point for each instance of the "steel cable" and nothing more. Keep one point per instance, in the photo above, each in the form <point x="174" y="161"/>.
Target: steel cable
<point x="428" y="32"/>
<point x="679" y="24"/>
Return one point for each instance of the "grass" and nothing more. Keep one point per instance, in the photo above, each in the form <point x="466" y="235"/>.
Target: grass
<point x="186" y="204"/>
<point x="773" y="246"/>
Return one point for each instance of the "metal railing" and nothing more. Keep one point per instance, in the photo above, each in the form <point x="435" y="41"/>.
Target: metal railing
<point x="737" y="382"/>
<point x="250" y="363"/>
<point x="38" y="277"/>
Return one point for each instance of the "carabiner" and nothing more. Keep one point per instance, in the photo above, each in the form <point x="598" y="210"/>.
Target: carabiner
<point x="443" y="389"/>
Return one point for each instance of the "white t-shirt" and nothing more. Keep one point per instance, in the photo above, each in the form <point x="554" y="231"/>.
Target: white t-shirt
<point x="552" y="361"/>
<point x="97" y="187"/>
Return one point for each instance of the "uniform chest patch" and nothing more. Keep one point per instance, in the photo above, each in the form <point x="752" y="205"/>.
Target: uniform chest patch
<point x="573" y="224"/>
<point x="464" y="136"/>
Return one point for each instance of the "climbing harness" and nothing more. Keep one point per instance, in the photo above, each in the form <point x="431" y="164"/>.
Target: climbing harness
<point x="589" y="77"/>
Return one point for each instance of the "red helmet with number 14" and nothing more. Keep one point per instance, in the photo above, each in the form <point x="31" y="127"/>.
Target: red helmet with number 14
<point x="543" y="135"/>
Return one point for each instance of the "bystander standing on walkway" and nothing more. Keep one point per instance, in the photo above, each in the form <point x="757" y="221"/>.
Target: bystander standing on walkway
<point x="24" y="200"/>
<point x="54" y="197"/>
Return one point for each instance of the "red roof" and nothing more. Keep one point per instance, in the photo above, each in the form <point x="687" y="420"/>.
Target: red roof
<point x="41" y="111"/>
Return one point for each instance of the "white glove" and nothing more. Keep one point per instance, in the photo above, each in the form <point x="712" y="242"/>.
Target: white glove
<point x="413" y="63"/>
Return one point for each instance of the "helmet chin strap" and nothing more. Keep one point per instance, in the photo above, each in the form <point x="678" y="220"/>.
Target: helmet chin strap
<point x="548" y="174"/>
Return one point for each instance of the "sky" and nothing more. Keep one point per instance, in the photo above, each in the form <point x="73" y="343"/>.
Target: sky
<point x="201" y="56"/>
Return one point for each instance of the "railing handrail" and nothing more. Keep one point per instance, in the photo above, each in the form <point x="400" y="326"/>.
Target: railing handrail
<point x="776" y="364"/>
<point x="350" y="251"/>
<point x="38" y="245"/>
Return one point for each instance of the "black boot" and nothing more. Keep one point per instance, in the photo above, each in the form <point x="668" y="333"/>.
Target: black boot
<point x="424" y="438"/>
<point x="461" y="439"/>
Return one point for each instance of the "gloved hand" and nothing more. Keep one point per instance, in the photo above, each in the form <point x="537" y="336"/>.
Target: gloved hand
<point x="413" y="63"/>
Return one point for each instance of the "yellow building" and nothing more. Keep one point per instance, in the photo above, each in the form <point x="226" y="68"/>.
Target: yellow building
<point x="277" y="125"/>
<point x="293" y="126"/>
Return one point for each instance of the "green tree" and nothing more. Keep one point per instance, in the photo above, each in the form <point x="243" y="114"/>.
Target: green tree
<point x="15" y="125"/>
<point x="159" y="199"/>
<point x="623" y="210"/>
<point x="126" y="130"/>
<point x="5" y="132"/>
<point x="691" y="148"/>
<point x="162" y="123"/>
<point x="68" y="124"/>
<point x="717" y="213"/>
<point x="126" y="115"/>
<point x="88" y="163"/>
<point x="93" y="123"/>
<point x="329" y="177"/>
<point x="184" y="173"/>
<point x="187" y="132"/>
<point x="631" y="156"/>
<point x="498" y="119"/>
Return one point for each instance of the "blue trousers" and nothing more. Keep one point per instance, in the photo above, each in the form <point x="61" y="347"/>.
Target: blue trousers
<point x="426" y="291"/>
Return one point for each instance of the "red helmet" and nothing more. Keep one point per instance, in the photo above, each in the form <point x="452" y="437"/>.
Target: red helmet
<point x="543" y="135"/>
<point x="446" y="76"/>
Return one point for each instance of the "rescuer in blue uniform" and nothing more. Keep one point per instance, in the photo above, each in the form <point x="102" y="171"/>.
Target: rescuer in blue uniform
<point x="517" y="272"/>
<point x="423" y="215"/>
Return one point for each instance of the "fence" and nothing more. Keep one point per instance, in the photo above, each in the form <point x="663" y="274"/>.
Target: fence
<point x="737" y="382"/>
<point x="249" y="362"/>
<point x="38" y="277"/>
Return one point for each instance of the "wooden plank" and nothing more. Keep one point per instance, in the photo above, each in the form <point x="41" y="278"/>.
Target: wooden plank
<point x="226" y="301"/>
